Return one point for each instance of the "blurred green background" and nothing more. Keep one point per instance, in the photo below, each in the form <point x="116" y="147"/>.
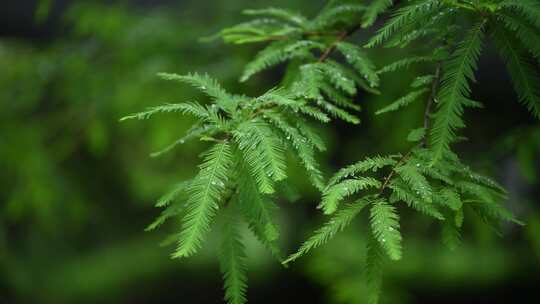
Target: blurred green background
<point x="77" y="188"/>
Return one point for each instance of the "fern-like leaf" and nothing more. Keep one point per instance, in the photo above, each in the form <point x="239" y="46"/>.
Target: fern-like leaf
<point x="374" y="270"/>
<point x="369" y="163"/>
<point x="403" y="101"/>
<point x="337" y="223"/>
<point x="404" y="63"/>
<point x="334" y="194"/>
<point x="278" y="13"/>
<point x="527" y="35"/>
<point x="375" y="8"/>
<point x="416" y="10"/>
<point x="192" y="108"/>
<point x="263" y="152"/>
<point x="258" y="211"/>
<point x="279" y="52"/>
<point x="455" y="90"/>
<point x="205" y="192"/>
<point x="524" y="77"/>
<point x="530" y="9"/>
<point x="412" y="175"/>
<point x="451" y="234"/>
<point x="358" y="59"/>
<point x="385" y="228"/>
<point x="232" y="260"/>
<point x="305" y="151"/>
<point x="402" y="193"/>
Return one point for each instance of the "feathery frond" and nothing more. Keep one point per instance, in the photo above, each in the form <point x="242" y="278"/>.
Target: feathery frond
<point x="524" y="32"/>
<point x="530" y="9"/>
<point x="205" y="191"/>
<point x="369" y="163"/>
<point x="337" y="223"/>
<point x="402" y="102"/>
<point x="279" y="52"/>
<point x="335" y="193"/>
<point x="356" y="57"/>
<point x="192" y="108"/>
<point x="374" y="270"/>
<point x="278" y="13"/>
<point x="258" y="211"/>
<point x="455" y="90"/>
<point x="232" y="260"/>
<point x="375" y="8"/>
<point x="263" y="152"/>
<point x="385" y="228"/>
<point x="524" y="77"/>
<point x="403" y="16"/>
<point x="451" y="234"/>
<point x="400" y="192"/>
<point x="305" y="151"/>
<point x="403" y="64"/>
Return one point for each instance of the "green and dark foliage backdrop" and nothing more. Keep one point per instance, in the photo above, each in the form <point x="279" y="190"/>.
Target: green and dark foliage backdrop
<point x="77" y="188"/>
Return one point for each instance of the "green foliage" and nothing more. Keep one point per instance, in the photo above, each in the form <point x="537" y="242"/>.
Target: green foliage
<point x="458" y="56"/>
<point x="402" y="102"/>
<point x="251" y="136"/>
<point x="347" y="187"/>
<point x="523" y="73"/>
<point x="232" y="260"/>
<point x="385" y="227"/>
<point x="374" y="270"/>
<point x="318" y="80"/>
<point x="205" y="191"/>
<point x="375" y="8"/>
<point x="337" y="223"/>
<point x="455" y="90"/>
<point x="249" y="140"/>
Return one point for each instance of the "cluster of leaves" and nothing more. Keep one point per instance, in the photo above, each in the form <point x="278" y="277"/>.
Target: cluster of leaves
<point x="246" y="163"/>
<point x="239" y="172"/>
<point x="307" y="45"/>
<point x="440" y="191"/>
<point x="512" y="25"/>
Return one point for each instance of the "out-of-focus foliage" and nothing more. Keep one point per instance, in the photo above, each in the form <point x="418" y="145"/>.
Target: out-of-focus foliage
<point x="78" y="187"/>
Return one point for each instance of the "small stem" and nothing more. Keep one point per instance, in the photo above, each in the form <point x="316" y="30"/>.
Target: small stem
<point x="431" y="99"/>
<point x="393" y="172"/>
<point x="340" y="38"/>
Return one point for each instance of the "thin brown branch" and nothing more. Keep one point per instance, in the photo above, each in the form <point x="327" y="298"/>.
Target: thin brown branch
<point x="340" y="38"/>
<point x="391" y="174"/>
<point x="388" y="178"/>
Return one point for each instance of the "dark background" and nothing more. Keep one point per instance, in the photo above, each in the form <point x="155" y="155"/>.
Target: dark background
<point x="77" y="188"/>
